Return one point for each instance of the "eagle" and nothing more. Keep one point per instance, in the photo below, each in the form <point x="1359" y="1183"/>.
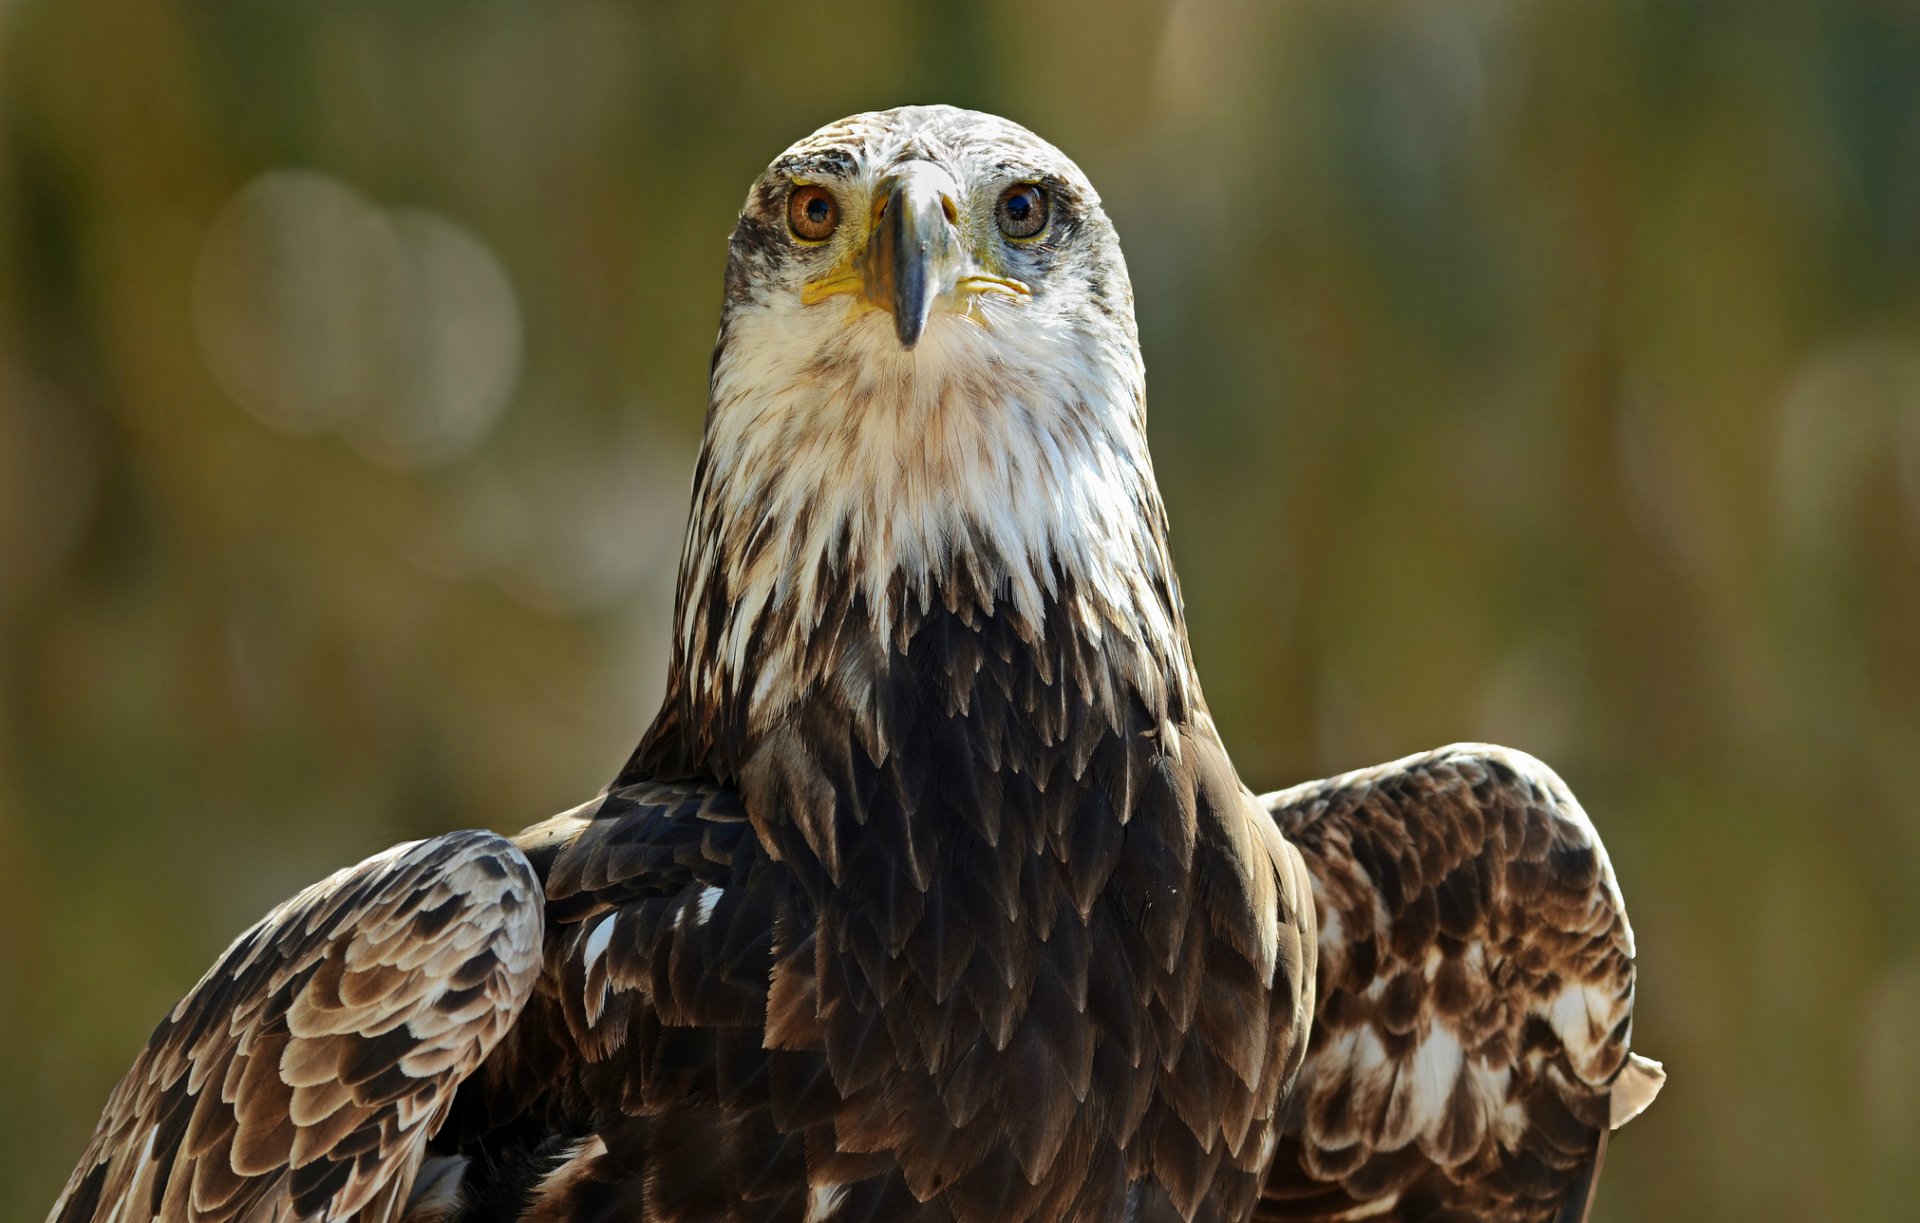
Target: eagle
<point x="931" y="893"/>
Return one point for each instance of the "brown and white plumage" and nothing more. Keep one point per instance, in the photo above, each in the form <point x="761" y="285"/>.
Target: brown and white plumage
<point x="1470" y="1047"/>
<point x="932" y="893"/>
<point x="303" y="1076"/>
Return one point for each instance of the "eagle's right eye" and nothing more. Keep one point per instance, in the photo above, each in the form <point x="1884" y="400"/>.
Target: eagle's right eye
<point x="811" y="213"/>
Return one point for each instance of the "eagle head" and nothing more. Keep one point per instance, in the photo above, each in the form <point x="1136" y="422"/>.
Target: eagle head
<point x="927" y="394"/>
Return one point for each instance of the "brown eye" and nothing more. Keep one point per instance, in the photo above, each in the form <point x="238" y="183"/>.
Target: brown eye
<point x="811" y="213"/>
<point x="1022" y="211"/>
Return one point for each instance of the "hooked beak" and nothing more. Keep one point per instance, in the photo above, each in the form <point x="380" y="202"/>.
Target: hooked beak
<point x="913" y="257"/>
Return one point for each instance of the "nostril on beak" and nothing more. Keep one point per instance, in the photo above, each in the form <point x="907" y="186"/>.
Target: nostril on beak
<point x="947" y="207"/>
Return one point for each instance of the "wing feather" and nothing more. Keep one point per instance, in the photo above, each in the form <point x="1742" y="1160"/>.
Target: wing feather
<point x="303" y="1075"/>
<point x="1470" y="1047"/>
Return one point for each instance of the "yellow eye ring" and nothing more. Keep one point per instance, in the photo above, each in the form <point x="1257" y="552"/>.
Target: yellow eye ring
<point x="812" y="214"/>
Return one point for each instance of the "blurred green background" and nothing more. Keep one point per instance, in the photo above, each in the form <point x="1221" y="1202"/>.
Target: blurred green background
<point x="1546" y="373"/>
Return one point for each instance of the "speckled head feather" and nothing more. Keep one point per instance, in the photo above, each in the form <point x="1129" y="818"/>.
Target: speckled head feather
<point x="848" y="483"/>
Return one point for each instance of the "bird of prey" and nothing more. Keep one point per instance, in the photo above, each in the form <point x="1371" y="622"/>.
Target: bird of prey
<point x="931" y="894"/>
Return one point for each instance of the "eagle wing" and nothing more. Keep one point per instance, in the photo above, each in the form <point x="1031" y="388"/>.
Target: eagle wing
<point x="305" y="1072"/>
<point x="1469" y="1049"/>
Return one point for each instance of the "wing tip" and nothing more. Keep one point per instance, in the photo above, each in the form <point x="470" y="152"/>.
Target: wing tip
<point x="1639" y="1081"/>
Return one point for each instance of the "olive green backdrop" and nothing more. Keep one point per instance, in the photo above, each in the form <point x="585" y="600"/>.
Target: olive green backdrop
<point x="1547" y="374"/>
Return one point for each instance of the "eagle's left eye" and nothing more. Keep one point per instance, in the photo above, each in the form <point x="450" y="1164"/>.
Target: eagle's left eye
<point x="1022" y="210"/>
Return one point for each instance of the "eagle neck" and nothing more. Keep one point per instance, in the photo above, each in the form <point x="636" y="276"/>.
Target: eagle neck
<point x="954" y="649"/>
<point x="854" y="536"/>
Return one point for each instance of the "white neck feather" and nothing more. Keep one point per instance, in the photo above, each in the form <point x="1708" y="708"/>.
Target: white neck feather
<point x="998" y="459"/>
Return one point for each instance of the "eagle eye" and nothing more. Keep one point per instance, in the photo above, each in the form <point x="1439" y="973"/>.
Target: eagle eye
<point x="1022" y="210"/>
<point x="812" y="214"/>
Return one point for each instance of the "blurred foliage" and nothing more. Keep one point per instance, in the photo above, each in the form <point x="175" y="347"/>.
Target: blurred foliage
<point x="1547" y="374"/>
